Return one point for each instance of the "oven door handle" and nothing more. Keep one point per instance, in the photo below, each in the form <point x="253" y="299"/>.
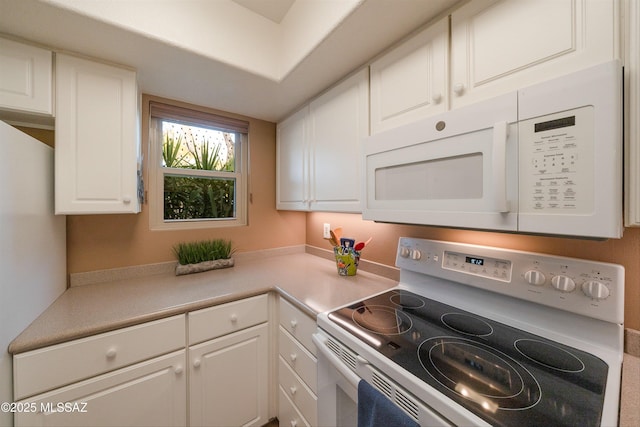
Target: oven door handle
<point x="348" y="374"/>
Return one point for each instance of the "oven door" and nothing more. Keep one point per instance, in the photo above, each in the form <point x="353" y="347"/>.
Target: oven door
<point x="455" y="169"/>
<point x="337" y="389"/>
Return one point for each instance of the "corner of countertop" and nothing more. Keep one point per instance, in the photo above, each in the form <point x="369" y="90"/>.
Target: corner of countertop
<point x="138" y="271"/>
<point x="373" y="267"/>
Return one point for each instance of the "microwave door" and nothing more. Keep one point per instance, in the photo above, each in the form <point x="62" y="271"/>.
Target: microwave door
<point x="464" y="175"/>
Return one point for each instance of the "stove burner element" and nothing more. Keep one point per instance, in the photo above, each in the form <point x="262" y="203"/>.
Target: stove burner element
<point x="381" y="319"/>
<point x="479" y="373"/>
<point x="407" y="300"/>
<point x="549" y="355"/>
<point x="467" y="324"/>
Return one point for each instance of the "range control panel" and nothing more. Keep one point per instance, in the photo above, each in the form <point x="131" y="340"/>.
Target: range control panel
<point x="591" y="288"/>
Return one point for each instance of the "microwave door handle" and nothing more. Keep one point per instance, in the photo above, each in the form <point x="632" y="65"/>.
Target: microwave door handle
<point x="499" y="166"/>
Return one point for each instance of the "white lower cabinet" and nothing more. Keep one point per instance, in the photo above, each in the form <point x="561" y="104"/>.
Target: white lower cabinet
<point x="297" y="368"/>
<point x="229" y="373"/>
<point x="229" y="380"/>
<point x="145" y="394"/>
<point x="134" y="376"/>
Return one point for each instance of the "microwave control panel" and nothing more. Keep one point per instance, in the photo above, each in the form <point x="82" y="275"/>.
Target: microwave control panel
<point x="557" y="163"/>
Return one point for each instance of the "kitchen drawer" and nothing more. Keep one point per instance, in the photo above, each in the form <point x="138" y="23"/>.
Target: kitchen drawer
<point x="51" y="367"/>
<point x="288" y="414"/>
<point x="226" y="318"/>
<point x="299" y="394"/>
<point x="298" y="358"/>
<point x="298" y="324"/>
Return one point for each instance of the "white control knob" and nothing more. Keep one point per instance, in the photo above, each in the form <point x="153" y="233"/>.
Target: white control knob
<point x="416" y="254"/>
<point x="535" y="277"/>
<point x="595" y="289"/>
<point x="563" y="283"/>
<point x="404" y="252"/>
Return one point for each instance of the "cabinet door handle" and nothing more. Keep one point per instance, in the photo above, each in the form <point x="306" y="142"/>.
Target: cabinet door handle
<point x="196" y="363"/>
<point x="233" y="318"/>
<point x="293" y="357"/>
<point x="458" y="89"/>
<point x="126" y="200"/>
<point x="294" y="323"/>
<point x="111" y="353"/>
<point x="436" y="97"/>
<point x="293" y="390"/>
<point x="178" y="369"/>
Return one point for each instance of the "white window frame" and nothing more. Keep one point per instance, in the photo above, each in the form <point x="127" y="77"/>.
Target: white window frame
<point x="157" y="173"/>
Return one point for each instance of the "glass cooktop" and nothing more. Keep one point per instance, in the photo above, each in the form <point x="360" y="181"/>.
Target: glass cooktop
<point x="504" y="375"/>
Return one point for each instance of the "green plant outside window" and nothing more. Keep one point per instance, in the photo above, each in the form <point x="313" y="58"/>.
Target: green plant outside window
<point x="187" y="150"/>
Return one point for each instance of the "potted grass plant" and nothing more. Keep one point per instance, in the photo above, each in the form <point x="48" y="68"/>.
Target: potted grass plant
<point x="194" y="257"/>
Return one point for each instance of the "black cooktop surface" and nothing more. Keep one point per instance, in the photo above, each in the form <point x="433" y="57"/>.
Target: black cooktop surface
<point x="506" y="376"/>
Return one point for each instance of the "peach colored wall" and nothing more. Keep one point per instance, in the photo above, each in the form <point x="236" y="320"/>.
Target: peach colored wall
<point x="625" y="251"/>
<point x="96" y="242"/>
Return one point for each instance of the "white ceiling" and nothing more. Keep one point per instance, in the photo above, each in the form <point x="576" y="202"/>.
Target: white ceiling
<point x="275" y="10"/>
<point x="230" y="55"/>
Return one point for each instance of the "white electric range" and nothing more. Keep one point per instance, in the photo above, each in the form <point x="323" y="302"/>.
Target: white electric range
<point x="475" y="335"/>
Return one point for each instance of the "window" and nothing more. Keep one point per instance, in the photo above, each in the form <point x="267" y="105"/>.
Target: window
<point x="198" y="169"/>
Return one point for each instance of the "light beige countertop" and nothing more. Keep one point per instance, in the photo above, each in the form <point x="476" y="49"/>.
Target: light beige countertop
<point x="310" y="282"/>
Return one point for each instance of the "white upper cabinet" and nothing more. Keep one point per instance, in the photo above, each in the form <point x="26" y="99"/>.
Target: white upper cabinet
<point x="97" y="138"/>
<point x="501" y="46"/>
<point x="338" y="120"/>
<point x="632" y="114"/>
<point x="410" y="81"/>
<point x="318" y="150"/>
<point x="25" y="78"/>
<point x="292" y="158"/>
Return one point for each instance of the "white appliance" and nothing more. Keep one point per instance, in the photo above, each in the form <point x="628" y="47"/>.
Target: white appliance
<point x="481" y="336"/>
<point x="546" y="159"/>
<point x="32" y="243"/>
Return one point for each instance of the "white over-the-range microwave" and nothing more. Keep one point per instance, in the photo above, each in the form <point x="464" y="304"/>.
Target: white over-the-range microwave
<point x="546" y="159"/>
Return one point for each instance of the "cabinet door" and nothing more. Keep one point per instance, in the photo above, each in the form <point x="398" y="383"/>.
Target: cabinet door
<point x="292" y="154"/>
<point x="97" y="143"/>
<point x="25" y="78"/>
<point x="501" y="46"/>
<point x="151" y="393"/>
<point x="229" y="380"/>
<point x="410" y="82"/>
<point x="338" y="120"/>
<point x="632" y="115"/>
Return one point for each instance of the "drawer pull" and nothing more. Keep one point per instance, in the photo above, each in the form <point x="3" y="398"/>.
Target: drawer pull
<point x="293" y="357"/>
<point x="294" y="323"/>
<point x="233" y="318"/>
<point x="111" y="353"/>
<point x="196" y="363"/>
<point x="294" y="423"/>
<point x="178" y="369"/>
<point x="293" y="390"/>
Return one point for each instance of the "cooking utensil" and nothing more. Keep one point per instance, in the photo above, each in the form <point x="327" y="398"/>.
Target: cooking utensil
<point x="361" y="245"/>
<point x="346" y="242"/>
<point x="338" y="233"/>
<point x="334" y="240"/>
